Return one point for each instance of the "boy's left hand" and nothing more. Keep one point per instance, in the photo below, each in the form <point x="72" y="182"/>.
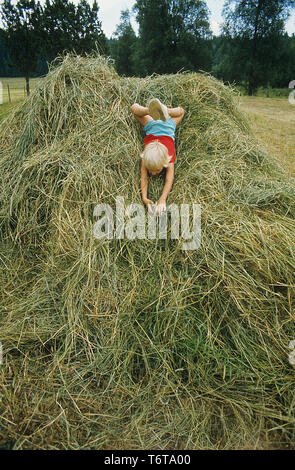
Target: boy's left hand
<point x="161" y="207"/>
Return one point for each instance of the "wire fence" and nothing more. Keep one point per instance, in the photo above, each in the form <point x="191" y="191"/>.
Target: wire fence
<point x="14" y="89"/>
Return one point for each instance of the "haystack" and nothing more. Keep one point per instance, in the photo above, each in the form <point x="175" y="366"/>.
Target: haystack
<point x="138" y="344"/>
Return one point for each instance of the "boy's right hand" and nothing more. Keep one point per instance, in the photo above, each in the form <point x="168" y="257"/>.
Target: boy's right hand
<point x="150" y="205"/>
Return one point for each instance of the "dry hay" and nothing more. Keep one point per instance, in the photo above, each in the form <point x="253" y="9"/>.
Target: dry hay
<point x="136" y="343"/>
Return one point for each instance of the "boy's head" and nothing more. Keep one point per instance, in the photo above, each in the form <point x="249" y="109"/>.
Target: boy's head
<point x="155" y="157"/>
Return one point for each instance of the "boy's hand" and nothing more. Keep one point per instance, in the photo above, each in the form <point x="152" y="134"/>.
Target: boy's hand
<point x="161" y="207"/>
<point x="150" y="205"/>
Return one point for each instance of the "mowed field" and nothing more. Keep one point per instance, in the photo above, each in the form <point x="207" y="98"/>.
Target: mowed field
<point x="14" y="89"/>
<point x="272" y="121"/>
<point x="13" y="92"/>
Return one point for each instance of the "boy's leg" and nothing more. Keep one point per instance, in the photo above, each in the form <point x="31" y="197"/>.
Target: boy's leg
<point x="141" y="114"/>
<point x="176" y="114"/>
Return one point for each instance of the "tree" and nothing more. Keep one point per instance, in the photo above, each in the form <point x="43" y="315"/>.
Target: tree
<point x="72" y="28"/>
<point x="255" y="29"/>
<point x="22" y="35"/>
<point x="190" y="34"/>
<point x="152" y="18"/>
<point x="123" y="47"/>
<point x="32" y="31"/>
<point x="173" y="34"/>
<point x="285" y="73"/>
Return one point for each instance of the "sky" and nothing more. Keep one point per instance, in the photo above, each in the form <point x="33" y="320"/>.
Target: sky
<point x="109" y="15"/>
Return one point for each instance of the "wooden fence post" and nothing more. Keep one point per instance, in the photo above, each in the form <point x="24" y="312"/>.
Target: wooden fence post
<point x="9" y="97"/>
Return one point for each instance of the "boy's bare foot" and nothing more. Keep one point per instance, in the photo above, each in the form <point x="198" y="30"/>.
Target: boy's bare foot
<point x="157" y="110"/>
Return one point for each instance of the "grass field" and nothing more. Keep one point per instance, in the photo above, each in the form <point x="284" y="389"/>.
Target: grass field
<point x="272" y="121"/>
<point x="14" y="89"/>
<point x="15" y="95"/>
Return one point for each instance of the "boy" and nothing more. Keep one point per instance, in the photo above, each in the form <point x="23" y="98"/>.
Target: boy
<point x="159" y="123"/>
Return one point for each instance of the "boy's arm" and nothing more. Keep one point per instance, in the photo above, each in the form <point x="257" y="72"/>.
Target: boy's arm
<point x="144" y="181"/>
<point x="161" y="207"/>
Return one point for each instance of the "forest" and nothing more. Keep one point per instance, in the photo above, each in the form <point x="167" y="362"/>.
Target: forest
<point x="253" y="49"/>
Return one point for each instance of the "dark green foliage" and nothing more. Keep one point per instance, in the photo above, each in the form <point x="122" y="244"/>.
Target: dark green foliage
<point x="173" y="34"/>
<point x="253" y="46"/>
<point x="34" y="33"/>
<point x="22" y="35"/>
<point x="123" y="48"/>
<point x="72" y="27"/>
<point x="253" y="50"/>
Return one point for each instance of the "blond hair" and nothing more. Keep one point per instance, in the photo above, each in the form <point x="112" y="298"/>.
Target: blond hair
<point x="155" y="156"/>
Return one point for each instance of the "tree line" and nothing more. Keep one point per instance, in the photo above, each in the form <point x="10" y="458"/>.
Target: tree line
<point x="33" y="34"/>
<point x="252" y="49"/>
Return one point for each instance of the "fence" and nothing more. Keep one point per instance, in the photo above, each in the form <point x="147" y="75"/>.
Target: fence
<point x="14" y="89"/>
